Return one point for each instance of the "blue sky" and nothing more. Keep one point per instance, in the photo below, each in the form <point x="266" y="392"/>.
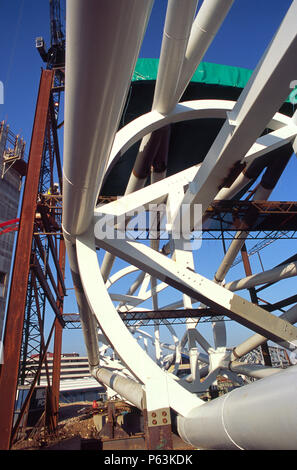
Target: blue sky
<point x="241" y="41"/>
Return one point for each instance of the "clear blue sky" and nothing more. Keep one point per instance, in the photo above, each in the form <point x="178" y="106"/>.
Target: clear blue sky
<point x="241" y="41"/>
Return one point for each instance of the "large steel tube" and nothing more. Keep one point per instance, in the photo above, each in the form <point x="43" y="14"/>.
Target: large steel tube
<point x="148" y="151"/>
<point x="238" y="242"/>
<point x="228" y="193"/>
<point x="88" y="321"/>
<point x="93" y="106"/>
<point x="219" y="328"/>
<point x="272" y="275"/>
<point x="254" y="168"/>
<point x="207" y="23"/>
<point x="258" y="371"/>
<point x="181" y="54"/>
<point x="127" y="388"/>
<point x="258" y="416"/>
<point x="97" y="81"/>
<point x="268" y="182"/>
<point x="178" y="24"/>
<point x="256" y="340"/>
<point x="159" y="166"/>
<point x="92" y="115"/>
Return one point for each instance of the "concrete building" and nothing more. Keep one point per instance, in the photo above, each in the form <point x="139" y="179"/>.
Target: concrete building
<point x="12" y="169"/>
<point x="76" y="382"/>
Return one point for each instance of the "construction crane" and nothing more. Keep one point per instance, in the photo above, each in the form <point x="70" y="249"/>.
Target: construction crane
<point x="54" y="59"/>
<point x="55" y="55"/>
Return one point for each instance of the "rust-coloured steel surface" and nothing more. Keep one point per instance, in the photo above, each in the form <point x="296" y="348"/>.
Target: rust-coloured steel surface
<point x="254" y="299"/>
<point x="58" y="339"/>
<point x="18" y="291"/>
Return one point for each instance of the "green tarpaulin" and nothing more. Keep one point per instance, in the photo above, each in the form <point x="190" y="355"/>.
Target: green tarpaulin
<point x="213" y="74"/>
<point x="208" y="73"/>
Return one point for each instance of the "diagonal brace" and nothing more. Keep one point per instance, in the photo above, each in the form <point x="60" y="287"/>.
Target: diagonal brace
<point x="222" y="301"/>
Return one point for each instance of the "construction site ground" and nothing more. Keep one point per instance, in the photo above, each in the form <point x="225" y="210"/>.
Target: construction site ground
<point x="77" y="431"/>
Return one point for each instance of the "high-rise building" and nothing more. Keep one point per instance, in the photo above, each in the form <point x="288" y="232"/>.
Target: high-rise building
<point x="12" y="169"/>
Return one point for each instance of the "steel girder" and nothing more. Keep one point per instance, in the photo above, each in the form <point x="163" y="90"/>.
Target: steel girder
<point x="142" y="380"/>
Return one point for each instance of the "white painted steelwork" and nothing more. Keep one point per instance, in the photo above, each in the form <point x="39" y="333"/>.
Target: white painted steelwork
<point x="103" y="42"/>
<point x="247" y="418"/>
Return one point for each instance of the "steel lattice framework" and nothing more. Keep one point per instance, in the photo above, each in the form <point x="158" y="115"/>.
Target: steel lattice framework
<point x="121" y="263"/>
<point x="238" y="151"/>
<point x="37" y="281"/>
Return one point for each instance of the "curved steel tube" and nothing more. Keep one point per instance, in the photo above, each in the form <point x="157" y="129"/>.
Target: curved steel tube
<point x="248" y="418"/>
<point x="85" y="155"/>
<point x="104" y="68"/>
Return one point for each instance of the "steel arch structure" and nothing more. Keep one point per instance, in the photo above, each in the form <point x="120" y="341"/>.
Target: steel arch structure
<point x="92" y="144"/>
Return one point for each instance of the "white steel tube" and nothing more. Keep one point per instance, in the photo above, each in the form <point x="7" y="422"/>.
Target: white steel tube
<point x="265" y="92"/>
<point x="127" y="388"/>
<point x="178" y="64"/>
<point x="219" y="328"/>
<point x="103" y="42"/>
<point x="258" y="416"/>
<point x="96" y="31"/>
<point x="88" y="321"/>
<point x="228" y="193"/>
<point x="178" y="23"/>
<point x="258" y="371"/>
<point x="238" y="241"/>
<point x="207" y="23"/>
<point x="272" y="275"/>
<point x="256" y="340"/>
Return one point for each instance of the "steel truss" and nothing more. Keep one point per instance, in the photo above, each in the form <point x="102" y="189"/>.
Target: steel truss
<point x="37" y="284"/>
<point x="138" y="368"/>
<point x="153" y="266"/>
<point x="45" y="242"/>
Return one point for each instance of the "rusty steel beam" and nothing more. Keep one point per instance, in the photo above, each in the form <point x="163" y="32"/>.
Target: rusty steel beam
<point x="165" y="314"/>
<point x="41" y="327"/>
<point x="47" y="266"/>
<point x="58" y="340"/>
<point x="248" y="272"/>
<point x="158" y="430"/>
<point x="254" y="298"/>
<point x="252" y="215"/>
<point x="281" y="304"/>
<point x="46" y="288"/>
<point x="18" y="291"/>
<point x="56" y="143"/>
<point x="269" y="284"/>
<point x="13" y="433"/>
<point x="52" y="247"/>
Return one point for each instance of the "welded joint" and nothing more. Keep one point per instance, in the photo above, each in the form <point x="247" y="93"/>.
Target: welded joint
<point x="219" y="358"/>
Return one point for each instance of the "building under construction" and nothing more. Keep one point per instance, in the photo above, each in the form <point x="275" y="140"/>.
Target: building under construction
<point x="12" y="170"/>
<point x="195" y="151"/>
